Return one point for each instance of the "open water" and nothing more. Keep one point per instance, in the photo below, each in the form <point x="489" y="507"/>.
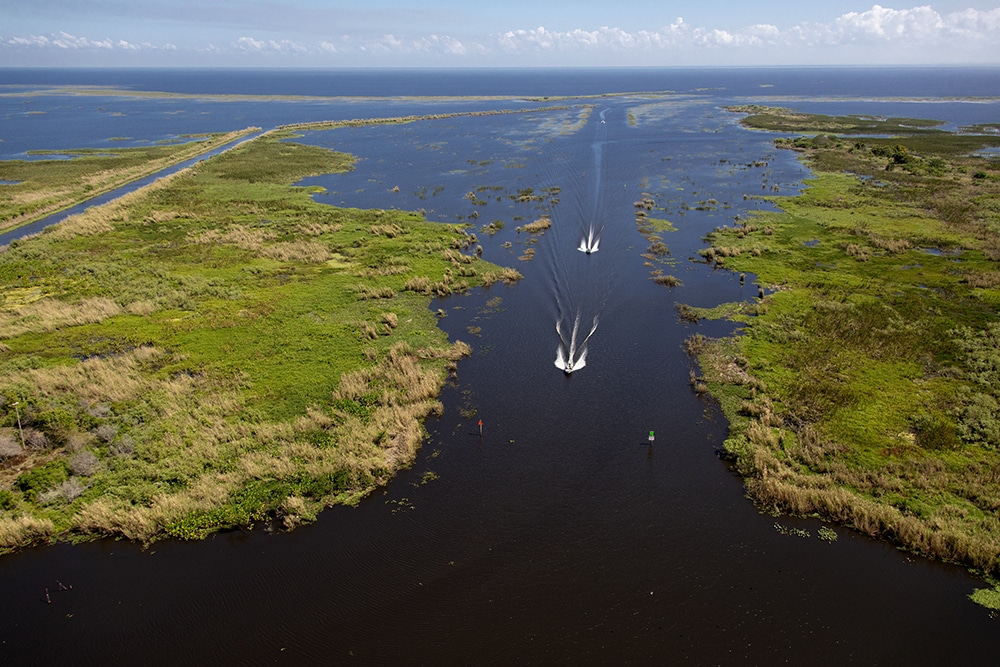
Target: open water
<point x="558" y="536"/>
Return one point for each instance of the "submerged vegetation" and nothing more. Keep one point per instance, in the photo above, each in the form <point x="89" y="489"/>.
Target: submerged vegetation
<point x="864" y="387"/>
<point x="217" y="349"/>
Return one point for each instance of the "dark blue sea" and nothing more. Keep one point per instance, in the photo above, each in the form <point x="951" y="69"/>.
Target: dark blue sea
<point x="556" y="535"/>
<point x="857" y="82"/>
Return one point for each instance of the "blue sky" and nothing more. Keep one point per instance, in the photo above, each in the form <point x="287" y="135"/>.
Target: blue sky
<point x="505" y="33"/>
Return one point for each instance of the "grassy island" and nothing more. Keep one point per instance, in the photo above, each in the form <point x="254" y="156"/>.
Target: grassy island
<point x="864" y="386"/>
<point x="218" y="349"/>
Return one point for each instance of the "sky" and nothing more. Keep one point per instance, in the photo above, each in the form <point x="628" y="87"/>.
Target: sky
<point x="502" y="33"/>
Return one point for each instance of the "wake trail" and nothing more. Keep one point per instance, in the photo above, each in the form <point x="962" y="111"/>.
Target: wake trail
<point x="586" y="289"/>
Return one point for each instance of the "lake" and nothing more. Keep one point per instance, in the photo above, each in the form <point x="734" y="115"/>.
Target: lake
<point x="556" y="534"/>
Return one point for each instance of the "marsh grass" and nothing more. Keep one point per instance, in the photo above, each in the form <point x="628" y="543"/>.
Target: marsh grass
<point x="539" y="225"/>
<point x="218" y="349"/>
<point x="667" y="280"/>
<point x="861" y="389"/>
<point x="48" y="186"/>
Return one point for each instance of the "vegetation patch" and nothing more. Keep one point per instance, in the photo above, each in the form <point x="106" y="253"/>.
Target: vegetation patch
<point x="987" y="597"/>
<point x="38" y="188"/>
<point x="862" y="387"/>
<point x="217" y="350"/>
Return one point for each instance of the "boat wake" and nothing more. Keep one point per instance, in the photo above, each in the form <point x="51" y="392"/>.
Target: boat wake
<point x="591" y="242"/>
<point x="570" y="356"/>
<point x="581" y="286"/>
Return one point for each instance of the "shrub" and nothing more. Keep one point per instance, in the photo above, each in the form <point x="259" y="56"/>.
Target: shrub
<point x="57" y="423"/>
<point x="9" y="446"/>
<point x="979" y="415"/>
<point x="69" y="491"/>
<point x="982" y="353"/>
<point x="35" y="439"/>
<point x="99" y="410"/>
<point x="123" y="446"/>
<point x="42" y="478"/>
<point x="7" y="500"/>
<point x="106" y="432"/>
<point x="83" y="463"/>
<point x="934" y="432"/>
<point x="979" y="420"/>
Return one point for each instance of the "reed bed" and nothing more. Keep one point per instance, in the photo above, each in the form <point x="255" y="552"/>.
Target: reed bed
<point x="217" y="349"/>
<point x="50" y="314"/>
<point x="864" y="388"/>
<point x="539" y="225"/>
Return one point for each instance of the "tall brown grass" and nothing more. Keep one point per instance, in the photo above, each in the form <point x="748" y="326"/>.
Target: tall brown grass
<point x="983" y="279"/>
<point x="97" y="380"/>
<point x="539" y="225"/>
<point x="506" y="275"/>
<point x="49" y="314"/>
<point x="237" y="235"/>
<point x="101" y="219"/>
<point x="23" y="530"/>
<point x="310" y="252"/>
<point x="407" y="394"/>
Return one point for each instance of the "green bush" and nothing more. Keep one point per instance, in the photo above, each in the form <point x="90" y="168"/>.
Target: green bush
<point x="42" y="478"/>
<point x="934" y="431"/>
<point x="979" y="420"/>
<point x="979" y="414"/>
<point x="57" y="423"/>
<point x="7" y="500"/>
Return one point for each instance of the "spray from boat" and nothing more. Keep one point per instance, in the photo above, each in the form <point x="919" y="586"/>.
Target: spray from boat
<point x="591" y="241"/>
<point x="570" y="356"/>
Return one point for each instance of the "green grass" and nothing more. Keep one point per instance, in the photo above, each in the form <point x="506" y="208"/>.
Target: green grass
<point x="45" y="186"/>
<point x="228" y="349"/>
<point x="864" y="389"/>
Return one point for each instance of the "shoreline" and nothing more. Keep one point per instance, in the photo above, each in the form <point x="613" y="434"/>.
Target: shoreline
<point x="155" y="404"/>
<point x="844" y="389"/>
<point x="115" y="181"/>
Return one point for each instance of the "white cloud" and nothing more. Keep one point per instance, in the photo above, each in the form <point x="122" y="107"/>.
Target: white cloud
<point x="879" y="24"/>
<point x="269" y="45"/>
<point x="969" y="34"/>
<point x="441" y="43"/>
<point x="65" y="41"/>
<point x="30" y="40"/>
<point x="880" y="34"/>
<point x="907" y="29"/>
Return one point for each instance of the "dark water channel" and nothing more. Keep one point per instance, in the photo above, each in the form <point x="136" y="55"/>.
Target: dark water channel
<point x="558" y="536"/>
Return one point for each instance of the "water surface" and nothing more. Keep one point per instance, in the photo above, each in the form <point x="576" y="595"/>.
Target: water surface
<point x="559" y="535"/>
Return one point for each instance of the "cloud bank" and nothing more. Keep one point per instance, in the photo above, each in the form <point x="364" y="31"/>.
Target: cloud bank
<point x="879" y="35"/>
